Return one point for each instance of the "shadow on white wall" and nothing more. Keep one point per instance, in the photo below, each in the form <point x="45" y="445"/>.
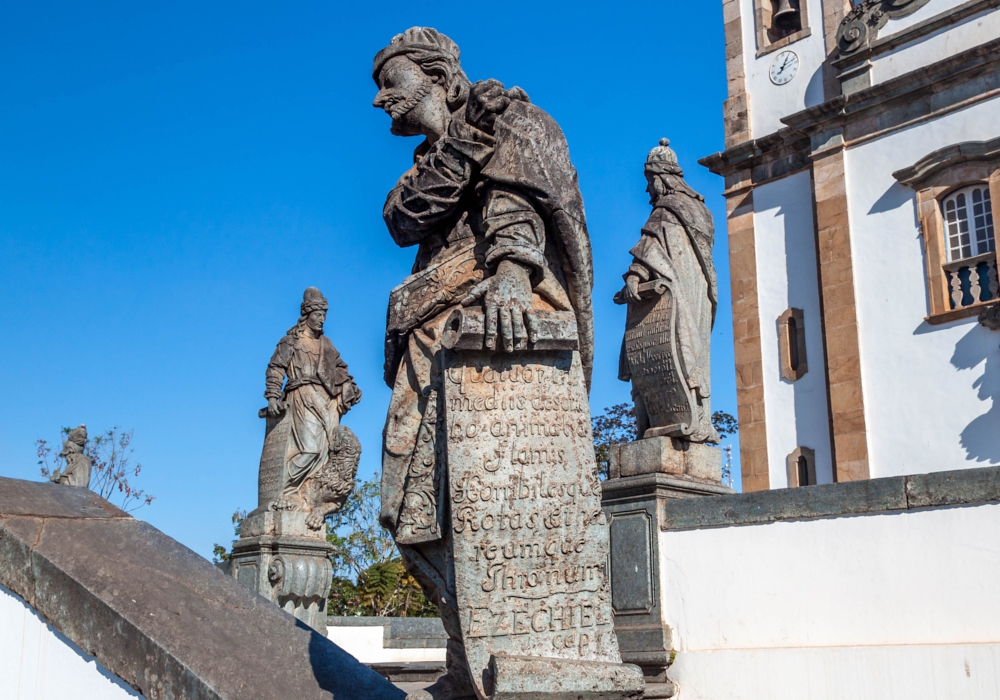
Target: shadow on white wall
<point x="981" y="437"/>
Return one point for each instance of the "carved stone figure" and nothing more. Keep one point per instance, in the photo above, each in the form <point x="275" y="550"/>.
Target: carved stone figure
<point x="489" y="484"/>
<point x="670" y="290"/>
<point x="307" y="469"/>
<point x="78" y="464"/>
<point x="317" y="474"/>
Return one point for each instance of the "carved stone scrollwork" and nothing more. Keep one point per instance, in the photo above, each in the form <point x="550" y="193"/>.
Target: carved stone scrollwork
<point x="862" y="24"/>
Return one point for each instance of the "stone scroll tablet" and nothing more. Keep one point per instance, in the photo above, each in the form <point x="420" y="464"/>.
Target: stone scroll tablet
<point x="530" y="539"/>
<point x="651" y="348"/>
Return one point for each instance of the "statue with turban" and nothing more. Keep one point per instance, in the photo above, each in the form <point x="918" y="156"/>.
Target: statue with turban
<point x="671" y="293"/>
<point x="78" y="464"/>
<point x="307" y="377"/>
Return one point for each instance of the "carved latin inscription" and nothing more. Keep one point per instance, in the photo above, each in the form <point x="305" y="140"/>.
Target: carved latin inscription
<point x="530" y="538"/>
<point x="650" y="345"/>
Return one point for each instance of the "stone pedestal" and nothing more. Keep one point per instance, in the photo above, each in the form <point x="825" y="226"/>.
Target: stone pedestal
<point x="644" y="474"/>
<point x="278" y="555"/>
<point x="280" y="558"/>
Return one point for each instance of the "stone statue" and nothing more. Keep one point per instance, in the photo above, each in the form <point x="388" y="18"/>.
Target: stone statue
<point x="316" y="477"/>
<point x="489" y="482"/>
<point x="307" y="469"/>
<point x="671" y="294"/>
<point x="78" y="464"/>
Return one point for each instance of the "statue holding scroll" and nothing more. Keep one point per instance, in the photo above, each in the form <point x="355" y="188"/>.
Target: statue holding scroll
<point x="307" y="378"/>
<point x="670" y="290"/>
<point x="489" y="344"/>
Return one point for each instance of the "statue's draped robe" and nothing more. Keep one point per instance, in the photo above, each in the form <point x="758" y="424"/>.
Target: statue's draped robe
<point x="513" y="195"/>
<point x="319" y="390"/>
<point x="78" y="466"/>
<point x="676" y="246"/>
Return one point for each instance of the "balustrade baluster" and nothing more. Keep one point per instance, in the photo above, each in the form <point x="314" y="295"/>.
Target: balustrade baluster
<point x="956" y="288"/>
<point x="974" y="288"/>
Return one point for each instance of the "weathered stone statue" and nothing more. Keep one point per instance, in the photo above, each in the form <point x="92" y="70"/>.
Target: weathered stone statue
<point x="307" y="469"/>
<point x="318" y="391"/>
<point x="78" y="464"/>
<point x="489" y="483"/>
<point x="671" y="294"/>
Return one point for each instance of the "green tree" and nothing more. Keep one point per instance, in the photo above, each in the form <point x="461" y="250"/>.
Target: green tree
<point x="220" y="553"/>
<point x="369" y="576"/>
<point x="110" y="455"/>
<point x="616" y="425"/>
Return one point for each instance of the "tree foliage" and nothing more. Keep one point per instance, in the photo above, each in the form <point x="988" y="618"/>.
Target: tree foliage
<point x="110" y="454"/>
<point x="220" y="553"/>
<point x="617" y="425"/>
<point x="369" y="576"/>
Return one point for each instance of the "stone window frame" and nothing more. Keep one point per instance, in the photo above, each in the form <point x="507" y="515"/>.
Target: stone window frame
<point x="933" y="178"/>
<point x="762" y="12"/>
<point x="789" y="347"/>
<point x="792" y="465"/>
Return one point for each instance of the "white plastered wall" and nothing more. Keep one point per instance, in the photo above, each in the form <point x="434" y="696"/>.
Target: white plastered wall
<point x="770" y="102"/>
<point x="785" y="243"/>
<point x="935" y="47"/>
<point x="928" y="11"/>
<point x="892" y="606"/>
<point x="366" y="645"/>
<point x="929" y="391"/>
<point x="38" y="663"/>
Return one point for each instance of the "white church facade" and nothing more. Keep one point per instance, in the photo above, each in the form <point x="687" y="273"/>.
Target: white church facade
<point x="862" y="170"/>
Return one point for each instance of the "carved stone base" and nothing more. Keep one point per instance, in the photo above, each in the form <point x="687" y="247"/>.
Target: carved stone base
<point x="281" y="559"/>
<point x="657" y="473"/>
<point x="667" y="455"/>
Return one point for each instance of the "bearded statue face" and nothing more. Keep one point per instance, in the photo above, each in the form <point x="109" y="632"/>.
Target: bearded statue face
<point x="654" y="187"/>
<point x="416" y="102"/>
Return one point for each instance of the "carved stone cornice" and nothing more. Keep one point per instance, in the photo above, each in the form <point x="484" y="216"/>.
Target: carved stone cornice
<point x="862" y="24"/>
<point x="956" y="81"/>
<point x="947" y="157"/>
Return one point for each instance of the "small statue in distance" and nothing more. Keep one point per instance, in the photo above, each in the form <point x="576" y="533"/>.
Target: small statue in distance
<point x="78" y="464"/>
<point x="321" y="457"/>
<point x="670" y="290"/>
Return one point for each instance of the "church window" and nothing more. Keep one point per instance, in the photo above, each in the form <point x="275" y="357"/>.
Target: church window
<point x="969" y="222"/>
<point x="802" y="467"/>
<point x="958" y="202"/>
<point x="792" y="344"/>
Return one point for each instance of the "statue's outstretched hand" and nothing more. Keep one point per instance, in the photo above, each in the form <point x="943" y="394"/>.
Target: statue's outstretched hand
<point x="507" y="305"/>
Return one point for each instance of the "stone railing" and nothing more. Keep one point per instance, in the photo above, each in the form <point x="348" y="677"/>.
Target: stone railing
<point x="972" y="281"/>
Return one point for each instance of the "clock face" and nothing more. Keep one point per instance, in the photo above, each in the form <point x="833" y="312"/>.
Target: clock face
<point x="784" y="67"/>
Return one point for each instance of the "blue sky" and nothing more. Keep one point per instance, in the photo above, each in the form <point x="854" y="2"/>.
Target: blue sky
<point x="174" y="174"/>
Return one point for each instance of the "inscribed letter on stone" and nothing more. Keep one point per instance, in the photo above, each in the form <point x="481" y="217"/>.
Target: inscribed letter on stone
<point x="530" y="539"/>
